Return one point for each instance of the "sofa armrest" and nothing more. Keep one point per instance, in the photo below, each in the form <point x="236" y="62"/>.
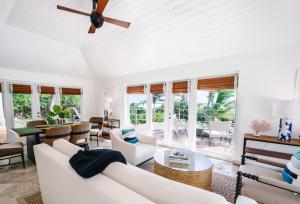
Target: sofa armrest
<point x="147" y="139"/>
<point x="245" y="200"/>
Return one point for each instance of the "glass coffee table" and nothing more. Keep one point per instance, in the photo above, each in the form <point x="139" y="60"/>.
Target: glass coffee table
<point x="198" y="171"/>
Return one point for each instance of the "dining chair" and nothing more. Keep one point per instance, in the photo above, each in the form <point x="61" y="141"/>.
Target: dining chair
<point x="96" y="128"/>
<point x="34" y="123"/>
<point x="55" y="133"/>
<point x="80" y="134"/>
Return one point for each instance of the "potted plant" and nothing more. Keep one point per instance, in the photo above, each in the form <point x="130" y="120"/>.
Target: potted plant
<point x="58" y="115"/>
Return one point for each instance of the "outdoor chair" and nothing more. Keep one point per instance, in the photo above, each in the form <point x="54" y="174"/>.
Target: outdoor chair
<point x="13" y="150"/>
<point x="220" y="130"/>
<point x="55" y="133"/>
<point x="179" y="128"/>
<point x="80" y="134"/>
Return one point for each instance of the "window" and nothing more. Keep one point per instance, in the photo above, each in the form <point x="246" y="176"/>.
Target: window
<point x="2" y="119"/>
<point x="158" y="109"/>
<point x="180" y="112"/>
<point x="46" y="100"/>
<point x="216" y="99"/>
<point x="137" y="107"/>
<point x="71" y="98"/>
<point x="21" y="95"/>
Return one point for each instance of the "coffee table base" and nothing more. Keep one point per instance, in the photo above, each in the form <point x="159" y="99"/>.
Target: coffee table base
<point x="200" y="179"/>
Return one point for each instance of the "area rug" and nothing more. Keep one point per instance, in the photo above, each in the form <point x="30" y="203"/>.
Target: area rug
<point x="221" y="184"/>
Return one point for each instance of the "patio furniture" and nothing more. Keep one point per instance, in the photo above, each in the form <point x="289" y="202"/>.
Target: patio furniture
<point x="179" y="128"/>
<point x="220" y="129"/>
<point x="55" y="133"/>
<point x="138" y="153"/>
<point x="96" y="128"/>
<point x="75" y="114"/>
<point x="13" y="150"/>
<point x="80" y="134"/>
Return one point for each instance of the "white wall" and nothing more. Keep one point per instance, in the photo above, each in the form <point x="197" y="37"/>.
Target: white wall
<point x="88" y="86"/>
<point x="263" y="76"/>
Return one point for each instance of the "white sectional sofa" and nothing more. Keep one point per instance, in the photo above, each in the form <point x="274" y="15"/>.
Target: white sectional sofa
<point x="137" y="153"/>
<point x="117" y="184"/>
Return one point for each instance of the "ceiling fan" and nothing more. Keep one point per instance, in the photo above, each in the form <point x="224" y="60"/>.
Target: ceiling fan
<point x="97" y="19"/>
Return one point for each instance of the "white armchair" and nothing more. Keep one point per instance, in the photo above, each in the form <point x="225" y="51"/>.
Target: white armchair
<point x="135" y="154"/>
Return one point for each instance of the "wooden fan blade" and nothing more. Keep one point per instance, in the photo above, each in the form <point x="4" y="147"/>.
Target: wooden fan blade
<point x="117" y="22"/>
<point x="72" y="10"/>
<point x="101" y="6"/>
<point x="92" y="29"/>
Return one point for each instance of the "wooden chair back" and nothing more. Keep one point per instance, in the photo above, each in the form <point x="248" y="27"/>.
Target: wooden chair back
<point x="56" y="133"/>
<point x="80" y="133"/>
<point x="33" y="123"/>
<point x="97" y="122"/>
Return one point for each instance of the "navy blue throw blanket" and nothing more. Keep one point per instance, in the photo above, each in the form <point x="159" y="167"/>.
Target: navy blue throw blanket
<point x="88" y="163"/>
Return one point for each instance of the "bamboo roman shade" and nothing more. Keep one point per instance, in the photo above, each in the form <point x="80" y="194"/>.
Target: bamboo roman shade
<point x="157" y="88"/>
<point x="21" y="88"/>
<point x="0" y="87"/>
<point x="216" y="83"/>
<point x="136" y="89"/>
<point x="47" y="90"/>
<point x="180" y="87"/>
<point x="70" y="91"/>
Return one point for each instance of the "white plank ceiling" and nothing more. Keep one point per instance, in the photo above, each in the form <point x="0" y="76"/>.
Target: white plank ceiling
<point x="35" y="36"/>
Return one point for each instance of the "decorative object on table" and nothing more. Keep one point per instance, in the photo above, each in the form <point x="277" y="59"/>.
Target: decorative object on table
<point x="178" y="156"/>
<point x="286" y="111"/>
<point x="260" y="127"/>
<point x="59" y="115"/>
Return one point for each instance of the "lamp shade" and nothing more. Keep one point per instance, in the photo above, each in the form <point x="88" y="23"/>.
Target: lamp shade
<point x="286" y="109"/>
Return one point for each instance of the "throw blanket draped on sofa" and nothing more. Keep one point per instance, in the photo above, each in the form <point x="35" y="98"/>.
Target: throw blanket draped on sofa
<point x="88" y="163"/>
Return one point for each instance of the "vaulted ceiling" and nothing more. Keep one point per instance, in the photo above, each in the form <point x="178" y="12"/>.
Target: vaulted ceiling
<point x="35" y="36"/>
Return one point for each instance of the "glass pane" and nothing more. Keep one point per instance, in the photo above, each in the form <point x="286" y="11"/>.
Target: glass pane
<point x="137" y="111"/>
<point x="180" y="119"/>
<point x="215" y="120"/>
<point x="158" y="117"/>
<point x="69" y="101"/>
<point x="46" y="102"/>
<point x="2" y="122"/>
<point x="22" y="109"/>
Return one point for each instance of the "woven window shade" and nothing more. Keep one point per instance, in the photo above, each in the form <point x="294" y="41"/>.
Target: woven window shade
<point x="0" y="87"/>
<point x="136" y="89"/>
<point x="70" y="91"/>
<point x="22" y="89"/>
<point x="216" y="83"/>
<point x="180" y="87"/>
<point x="157" y="88"/>
<point x="47" y="90"/>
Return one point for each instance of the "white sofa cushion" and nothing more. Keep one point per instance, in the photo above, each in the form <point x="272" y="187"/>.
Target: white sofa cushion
<point x="60" y="184"/>
<point x="66" y="147"/>
<point x="158" y="189"/>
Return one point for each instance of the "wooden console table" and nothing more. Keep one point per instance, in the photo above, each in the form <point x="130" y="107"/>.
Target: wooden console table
<point x="269" y="153"/>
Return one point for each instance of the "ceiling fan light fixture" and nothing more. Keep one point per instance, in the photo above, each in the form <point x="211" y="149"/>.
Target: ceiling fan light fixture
<point x="97" y="19"/>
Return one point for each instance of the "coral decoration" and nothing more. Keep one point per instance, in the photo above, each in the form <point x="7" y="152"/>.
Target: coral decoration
<point x="260" y="126"/>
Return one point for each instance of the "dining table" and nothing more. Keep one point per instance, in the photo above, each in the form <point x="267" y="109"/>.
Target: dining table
<point x="33" y="136"/>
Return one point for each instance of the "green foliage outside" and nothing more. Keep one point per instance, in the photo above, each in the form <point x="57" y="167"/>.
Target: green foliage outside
<point x="69" y="101"/>
<point x="137" y="114"/>
<point x="158" y="107"/>
<point x="45" y="103"/>
<point x="181" y="107"/>
<point x="58" y="113"/>
<point x="22" y="106"/>
<point x="220" y="106"/>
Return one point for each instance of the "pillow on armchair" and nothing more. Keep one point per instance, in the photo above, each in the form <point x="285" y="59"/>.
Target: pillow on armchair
<point x="129" y="135"/>
<point x="291" y="174"/>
